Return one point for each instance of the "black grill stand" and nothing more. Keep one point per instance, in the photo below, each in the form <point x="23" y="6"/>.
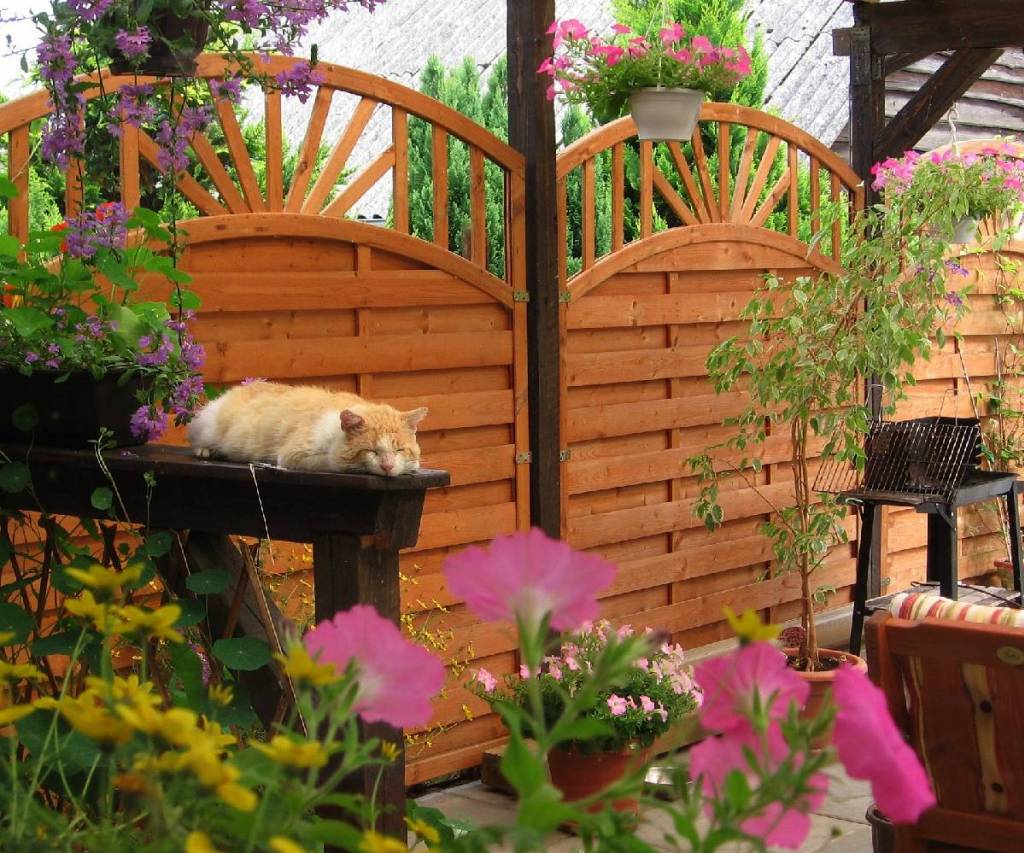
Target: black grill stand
<point x="942" y="533"/>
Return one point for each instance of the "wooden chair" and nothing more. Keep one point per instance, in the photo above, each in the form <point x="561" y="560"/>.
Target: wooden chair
<point x="956" y="689"/>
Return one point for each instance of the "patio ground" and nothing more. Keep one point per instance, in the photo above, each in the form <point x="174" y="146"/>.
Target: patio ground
<point x="839" y="826"/>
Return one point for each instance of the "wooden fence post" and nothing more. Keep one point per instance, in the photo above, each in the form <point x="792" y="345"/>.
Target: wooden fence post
<point x="531" y="122"/>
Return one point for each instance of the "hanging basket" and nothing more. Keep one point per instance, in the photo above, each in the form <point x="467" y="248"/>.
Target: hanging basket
<point x="662" y="113"/>
<point x="177" y="42"/>
<point x="965" y="230"/>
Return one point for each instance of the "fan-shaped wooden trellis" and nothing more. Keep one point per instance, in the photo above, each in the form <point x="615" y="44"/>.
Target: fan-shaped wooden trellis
<point x="294" y="289"/>
<point x="639" y="321"/>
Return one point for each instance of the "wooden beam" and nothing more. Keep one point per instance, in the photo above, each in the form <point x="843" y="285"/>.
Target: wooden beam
<point x="531" y="121"/>
<point x="899" y="61"/>
<point x="940" y="92"/>
<point x="934" y="25"/>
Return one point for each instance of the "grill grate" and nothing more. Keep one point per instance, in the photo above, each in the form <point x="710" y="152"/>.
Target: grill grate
<point x="922" y="459"/>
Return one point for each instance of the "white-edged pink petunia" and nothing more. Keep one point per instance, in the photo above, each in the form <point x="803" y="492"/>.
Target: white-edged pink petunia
<point x="397" y="678"/>
<point x="526" y="576"/>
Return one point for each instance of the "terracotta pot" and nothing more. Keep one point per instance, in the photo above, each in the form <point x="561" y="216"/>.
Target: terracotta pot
<point x="821" y="685"/>
<point x="662" y="113"/>
<point x="578" y="775"/>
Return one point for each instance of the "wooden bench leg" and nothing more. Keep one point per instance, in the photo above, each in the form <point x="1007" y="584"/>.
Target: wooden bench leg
<point x="350" y="570"/>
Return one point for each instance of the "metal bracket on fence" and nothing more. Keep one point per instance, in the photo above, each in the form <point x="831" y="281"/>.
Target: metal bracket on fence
<point x="520" y="296"/>
<point x="524" y="458"/>
<point x="564" y="455"/>
<point x="565" y="297"/>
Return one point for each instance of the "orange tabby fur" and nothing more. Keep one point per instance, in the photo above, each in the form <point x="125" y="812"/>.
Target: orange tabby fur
<point x="306" y="428"/>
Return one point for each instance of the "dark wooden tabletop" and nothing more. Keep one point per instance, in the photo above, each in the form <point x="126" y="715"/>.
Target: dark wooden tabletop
<point x="221" y="496"/>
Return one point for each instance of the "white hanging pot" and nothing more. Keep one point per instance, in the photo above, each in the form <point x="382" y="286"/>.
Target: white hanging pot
<point x="965" y="230"/>
<point x="662" y="113"/>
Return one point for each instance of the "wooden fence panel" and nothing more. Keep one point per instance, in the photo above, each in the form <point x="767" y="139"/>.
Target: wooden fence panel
<point x="646" y="305"/>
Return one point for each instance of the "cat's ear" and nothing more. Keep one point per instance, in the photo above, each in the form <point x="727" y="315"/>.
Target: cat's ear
<point x="415" y="416"/>
<point x="351" y="422"/>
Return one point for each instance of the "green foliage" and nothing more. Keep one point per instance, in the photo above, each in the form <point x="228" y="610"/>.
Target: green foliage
<point x="460" y="88"/>
<point x="813" y="341"/>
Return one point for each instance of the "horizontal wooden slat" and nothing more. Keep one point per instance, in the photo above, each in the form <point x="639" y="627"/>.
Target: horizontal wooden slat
<point x="284" y="359"/>
<point x="601" y="312"/>
<point x="240" y="291"/>
<point x="476" y="465"/>
<point x="590" y="422"/>
<point x="635" y="366"/>
<point x="443" y="529"/>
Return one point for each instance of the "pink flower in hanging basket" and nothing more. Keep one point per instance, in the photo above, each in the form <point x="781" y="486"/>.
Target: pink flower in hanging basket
<point x="527" y="576"/>
<point x="397" y="678"/>
<point x="672" y="33"/>
<point x="871" y="747"/>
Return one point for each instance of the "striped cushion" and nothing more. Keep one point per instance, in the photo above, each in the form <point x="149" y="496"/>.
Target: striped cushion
<point x="914" y="605"/>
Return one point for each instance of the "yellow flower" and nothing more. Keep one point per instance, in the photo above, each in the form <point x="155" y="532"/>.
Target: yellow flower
<point x="106" y="581"/>
<point x="237" y="796"/>
<point x="130" y="783"/>
<point x="221" y="695"/>
<point x="284" y="750"/>
<point x="424" y="830"/>
<point x="280" y="844"/>
<point x="390" y="750"/>
<point x="15" y="672"/>
<point x="374" y="842"/>
<point x="14" y="713"/>
<point x="177" y="726"/>
<point x="88" y="714"/>
<point x="155" y="624"/>
<point x="86" y="607"/>
<point x="749" y="627"/>
<point x="128" y="689"/>
<point x="199" y="842"/>
<point x="302" y="669"/>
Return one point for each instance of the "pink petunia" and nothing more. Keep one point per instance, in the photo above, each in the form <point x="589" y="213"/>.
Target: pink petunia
<point x="487" y="681"/>
<point x="617" y="705"/>
<point x="871" y="747"/>
<point x="646" y="704"/>
<point x="702" y="44"/>
<point x="573" y="29"/>
<point x="671" y="33"/>
<point x="731" y="682"/>
<point x="713" y="759"/>
<point x="526" y="576"/>
<point x="397" y="678"/>
<point x="620" y="29"/>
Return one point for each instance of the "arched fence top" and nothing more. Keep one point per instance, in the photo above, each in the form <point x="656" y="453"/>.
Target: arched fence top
<point x="219" y="183"/>
<point x="742" y="166"/>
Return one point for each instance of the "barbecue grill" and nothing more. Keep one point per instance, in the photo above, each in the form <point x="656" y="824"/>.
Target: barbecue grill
<point x="933" y="465"/>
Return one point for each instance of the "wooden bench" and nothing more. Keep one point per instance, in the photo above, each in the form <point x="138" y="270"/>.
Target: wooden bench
<point x="357" y="524"/>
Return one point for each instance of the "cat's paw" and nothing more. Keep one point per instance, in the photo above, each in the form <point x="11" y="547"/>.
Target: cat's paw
<point x="202" y="452"/>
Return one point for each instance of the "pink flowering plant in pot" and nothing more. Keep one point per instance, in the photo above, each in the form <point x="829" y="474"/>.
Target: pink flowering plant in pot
<point x="654" y="693"/>
<point x="603" y="72"/>
<point x="754" y="779"/>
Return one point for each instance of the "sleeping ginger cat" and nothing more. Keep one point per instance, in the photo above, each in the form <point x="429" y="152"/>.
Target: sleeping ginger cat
<point x="309" y="429"/>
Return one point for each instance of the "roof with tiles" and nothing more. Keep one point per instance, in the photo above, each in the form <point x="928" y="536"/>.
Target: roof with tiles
<point x="807" y="85"/>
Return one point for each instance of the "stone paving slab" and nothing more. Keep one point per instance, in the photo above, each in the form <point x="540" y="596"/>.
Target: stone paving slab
<point x="839" y="826"/>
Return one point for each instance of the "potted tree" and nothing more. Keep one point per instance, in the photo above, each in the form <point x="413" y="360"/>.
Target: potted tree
<point x="662" y="80"/>
<point x="623" y="720"/>
<point x="814" y="341"/>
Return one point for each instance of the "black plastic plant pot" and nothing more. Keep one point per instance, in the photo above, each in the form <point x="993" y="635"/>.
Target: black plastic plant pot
<point x="163" y="59"/>
<point x="70" y="413"/>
